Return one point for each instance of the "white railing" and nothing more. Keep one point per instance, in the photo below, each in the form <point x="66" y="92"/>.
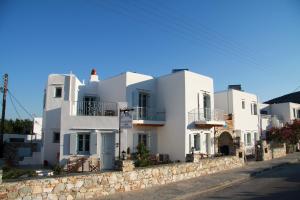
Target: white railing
<point x="95" y="108"/>
<point x="206" y="114"/>
<point x="274" y="120"/>
<point x="145" y="113"/>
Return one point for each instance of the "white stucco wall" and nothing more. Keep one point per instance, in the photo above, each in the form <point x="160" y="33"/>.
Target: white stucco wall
<point x="52" y="115"/>
<point x="285" y="110"/>
<point x="198" y="84"/>
<point x="171" y="97"/>
<point x="175" y="93"/>
<point x="37" y="128"/>
<point x="244" y="122"/>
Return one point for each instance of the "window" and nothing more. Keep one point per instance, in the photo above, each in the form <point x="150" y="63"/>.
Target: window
<point x="298" y="114"/>
<point x="58" y="92"/>
<point x="294" y="112"/>
<point x="84" y="143"/>
<point x="143" y="105"/>
<point x="143" y="139"/>
<point x="253" y="109"/>
<point x="56" y="137"/>
<point x="243" y="104"/>
<point x="247" y="139"/>
<point x="206" y="105"/>
<point x="197" y="142"/>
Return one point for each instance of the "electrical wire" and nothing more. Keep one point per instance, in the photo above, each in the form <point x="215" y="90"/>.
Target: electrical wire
<point x="14" y="106"/>
<point x="183" y="28"/>
<point x="18" y="102"/>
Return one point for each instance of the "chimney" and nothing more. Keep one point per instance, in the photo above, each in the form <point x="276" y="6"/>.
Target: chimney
<point x="94" y="76"/>
<point x="235" y="87"/>
<point x="179" y="70"/>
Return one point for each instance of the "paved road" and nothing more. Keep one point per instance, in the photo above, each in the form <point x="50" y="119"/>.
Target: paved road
<point x="281" y="183"/>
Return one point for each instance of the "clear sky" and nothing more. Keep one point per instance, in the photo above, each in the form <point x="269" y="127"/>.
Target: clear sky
<point x="255" y="43"/>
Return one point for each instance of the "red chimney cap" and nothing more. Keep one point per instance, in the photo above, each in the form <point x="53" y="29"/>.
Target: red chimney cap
<point x="93" y="72"/>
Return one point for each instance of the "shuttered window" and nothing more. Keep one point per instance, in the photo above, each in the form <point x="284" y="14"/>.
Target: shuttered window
<point x="83" y="143"/>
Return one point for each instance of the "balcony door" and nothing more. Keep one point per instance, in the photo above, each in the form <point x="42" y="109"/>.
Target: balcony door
<point x="143" y="104"/>
<point x="207" y="106"/>
<point x="90" y="105"/>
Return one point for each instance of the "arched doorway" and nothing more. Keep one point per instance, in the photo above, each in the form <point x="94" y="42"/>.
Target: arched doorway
<point x="225" y="144"/>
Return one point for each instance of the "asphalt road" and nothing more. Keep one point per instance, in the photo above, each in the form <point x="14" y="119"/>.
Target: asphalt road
<point x="281" y="183"/>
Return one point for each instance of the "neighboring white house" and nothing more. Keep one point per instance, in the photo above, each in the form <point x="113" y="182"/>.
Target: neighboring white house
<point x="36" y="136"/>
<point x="277" y="114"/>
<point x="244" y="108"/>
<point x="172" y="114"/>
<point x="287" y="112"/>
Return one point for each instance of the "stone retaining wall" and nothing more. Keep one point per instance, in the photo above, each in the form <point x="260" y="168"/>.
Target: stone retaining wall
<point x="273" y="151"/>
<point x="98" y="184"/>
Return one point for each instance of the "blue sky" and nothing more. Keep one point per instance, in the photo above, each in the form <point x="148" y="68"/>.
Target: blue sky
<point x="254" y="43"/>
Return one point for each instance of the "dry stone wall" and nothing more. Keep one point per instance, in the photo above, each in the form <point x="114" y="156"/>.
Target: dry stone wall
<point x="273" y="151"/>
<point x="95" y="185"/>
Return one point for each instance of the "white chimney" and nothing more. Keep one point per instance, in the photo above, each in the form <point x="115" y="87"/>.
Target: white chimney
<point x="94" y="76"/>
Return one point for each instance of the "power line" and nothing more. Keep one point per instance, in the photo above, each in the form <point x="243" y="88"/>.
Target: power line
<point x="14" y="106"/>
<point x="205" y="29"/>
<point x="176" y="27"/>
<point x="205" y="33"/>
<point x="18" y="102"/>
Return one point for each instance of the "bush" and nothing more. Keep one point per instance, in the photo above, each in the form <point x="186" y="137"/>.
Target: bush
<point x="58" y="170"/>
<point x="142" y="156"/>
<point x="13" y="173"/>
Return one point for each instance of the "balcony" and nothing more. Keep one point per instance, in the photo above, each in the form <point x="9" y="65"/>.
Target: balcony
<point x="273" y="120"/>
<point x="206" y="117"/>
<point x="95" y="108"/>
<point x="145" y="116"/>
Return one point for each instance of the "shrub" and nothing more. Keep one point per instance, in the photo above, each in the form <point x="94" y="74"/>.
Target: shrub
<point x="289" y="134"/>
<point x="13" y="173"/>
<point x="142" y="156"/>
<point x="58" y="170"/>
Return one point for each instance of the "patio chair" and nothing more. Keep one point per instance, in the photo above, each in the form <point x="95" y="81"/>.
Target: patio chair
<point x="153" y="159"/>
<point x="94" y="164"/>
<point x="74" y="163"/>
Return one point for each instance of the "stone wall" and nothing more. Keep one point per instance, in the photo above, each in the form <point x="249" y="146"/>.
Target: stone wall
<point x="271" y="151"/>
<point x="95" y="185"/>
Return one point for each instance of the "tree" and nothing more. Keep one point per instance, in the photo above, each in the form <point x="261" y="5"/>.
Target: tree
<point x="21" y="126"/>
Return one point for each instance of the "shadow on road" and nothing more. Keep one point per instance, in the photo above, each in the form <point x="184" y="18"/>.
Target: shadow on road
<point x="280" y="183"/>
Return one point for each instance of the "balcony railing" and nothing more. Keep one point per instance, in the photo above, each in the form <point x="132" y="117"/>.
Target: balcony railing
<point x="145" y="113"/>
<point x="206" y="114"/>
<point x="95" y="108"/>
<point x="274" y="120"/>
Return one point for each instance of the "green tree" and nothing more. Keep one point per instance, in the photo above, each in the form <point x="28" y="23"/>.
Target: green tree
<point x="21" y="126"/>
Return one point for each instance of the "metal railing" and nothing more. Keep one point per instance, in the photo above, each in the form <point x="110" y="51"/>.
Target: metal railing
<point x="145" y="113"/>
<point x="95" y="108"/>
<point x="274" y="120"/>
<point x="206" y="114"/>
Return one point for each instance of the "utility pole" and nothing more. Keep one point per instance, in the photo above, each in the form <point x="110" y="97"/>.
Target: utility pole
<point x="4" y="90"/>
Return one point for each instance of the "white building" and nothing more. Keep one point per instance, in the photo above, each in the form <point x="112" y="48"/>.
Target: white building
<point x="278" y="114"/>
<point x="172" y="114"/>
<point x="36" y="135"/>
<point x="287" y="112"/>
<point x="243" y="107"/>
